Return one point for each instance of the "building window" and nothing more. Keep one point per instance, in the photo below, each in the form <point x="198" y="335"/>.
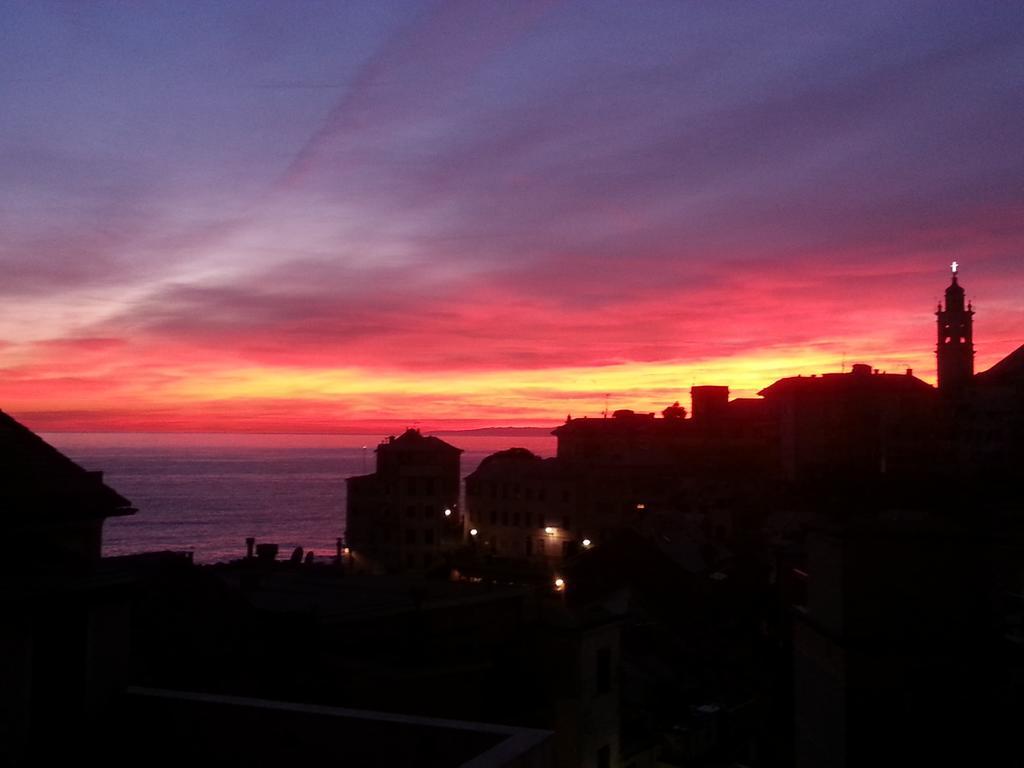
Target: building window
<point x="504" y="517"/>
<point x="410" y="511"/>
<point x="515" y="519"/>
<point x="410" y="486"/>
<point x="428" y="536"/>
<point x="428" y="486"/>
<point x="529" y="546"/>
<point x="567" y="523"/>
<point x="494" y="517"/>
<point x="410" y="536"/>
<point x="428" y="512"/>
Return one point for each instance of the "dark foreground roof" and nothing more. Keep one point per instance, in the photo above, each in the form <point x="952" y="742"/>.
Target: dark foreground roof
<point x="1008" y="371"/>
<point x="413" y="439"/>
<point x="859" y="380"/>
<point x="43" y="485"/>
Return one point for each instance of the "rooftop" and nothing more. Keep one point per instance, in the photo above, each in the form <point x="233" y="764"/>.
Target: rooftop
<point x="412" y="439"/>
<point x="38" y="479"/>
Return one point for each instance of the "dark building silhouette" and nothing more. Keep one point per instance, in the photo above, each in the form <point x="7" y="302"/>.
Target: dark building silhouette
<point x="892" y="647"/>
<point x="995" y="430"/>
<point x="619" y="471"/>
<point x="523" y="506"/>
<point x="955" y="349"/>
<point x="860" y="425"/>
<point x="405" y="514"/>
<point x="873" y="507"/>
<point x="50" y="502"/>
<point x="912" y="603"/>
<point x="63" y="617"/>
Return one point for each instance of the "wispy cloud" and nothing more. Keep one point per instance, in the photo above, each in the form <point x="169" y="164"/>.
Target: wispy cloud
<point x="488" y="201"/>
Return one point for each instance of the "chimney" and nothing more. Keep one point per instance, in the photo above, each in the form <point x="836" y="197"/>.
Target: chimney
<point x="250" y="545"/>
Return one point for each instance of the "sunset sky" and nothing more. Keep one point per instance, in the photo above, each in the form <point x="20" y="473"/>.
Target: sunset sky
<point x="341" y="216"/>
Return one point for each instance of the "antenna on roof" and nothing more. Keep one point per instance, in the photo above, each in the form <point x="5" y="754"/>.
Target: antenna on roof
<point x="843" y="369"/>
<point x="605" y="414"/>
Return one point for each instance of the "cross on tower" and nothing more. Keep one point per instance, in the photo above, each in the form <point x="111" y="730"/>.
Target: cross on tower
<point x="954" y="265"/>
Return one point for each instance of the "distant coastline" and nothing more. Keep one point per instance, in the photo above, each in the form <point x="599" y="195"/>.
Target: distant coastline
<point x="496" y="432"/>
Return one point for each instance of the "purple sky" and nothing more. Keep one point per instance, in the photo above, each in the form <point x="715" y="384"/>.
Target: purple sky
<point x="501" y="207"/>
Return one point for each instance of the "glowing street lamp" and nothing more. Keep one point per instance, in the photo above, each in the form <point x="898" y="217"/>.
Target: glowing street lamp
<point x="549" y="531"/>
<point x="473" y="531"/>
<point x="586" y="543"/>
<point x="447" y="512"/>
<point x="560" y="584"/>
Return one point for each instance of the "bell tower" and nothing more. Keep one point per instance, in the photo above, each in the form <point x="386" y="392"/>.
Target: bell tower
<point x="955" y="350"/>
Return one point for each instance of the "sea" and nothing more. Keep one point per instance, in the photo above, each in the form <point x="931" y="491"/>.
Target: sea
<point x="206" y="493"/>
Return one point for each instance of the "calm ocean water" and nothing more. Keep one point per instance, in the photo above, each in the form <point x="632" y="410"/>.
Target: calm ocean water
<point x="207" y="493"/>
